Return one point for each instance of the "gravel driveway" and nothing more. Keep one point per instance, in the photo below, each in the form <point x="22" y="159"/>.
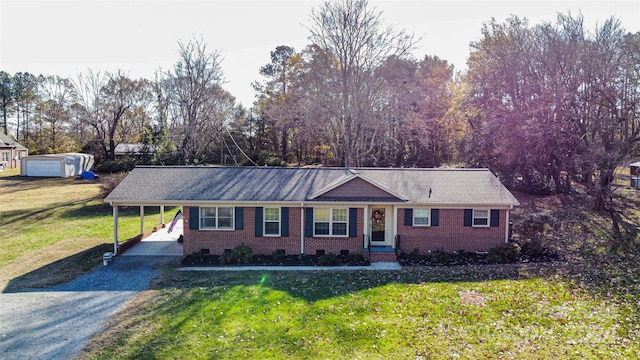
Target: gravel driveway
<point x="57" y="322"/>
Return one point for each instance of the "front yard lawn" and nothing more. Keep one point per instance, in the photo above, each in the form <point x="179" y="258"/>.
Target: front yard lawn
<point x="467" y="312"/>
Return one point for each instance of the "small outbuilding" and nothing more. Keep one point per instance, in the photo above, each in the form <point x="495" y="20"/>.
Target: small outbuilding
<point x="56" y="165"/>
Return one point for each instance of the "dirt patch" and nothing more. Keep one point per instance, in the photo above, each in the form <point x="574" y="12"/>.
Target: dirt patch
<point x="471" y="298"/>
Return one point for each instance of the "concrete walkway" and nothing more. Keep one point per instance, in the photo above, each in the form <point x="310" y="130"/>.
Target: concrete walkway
<point x="374" y="266"/>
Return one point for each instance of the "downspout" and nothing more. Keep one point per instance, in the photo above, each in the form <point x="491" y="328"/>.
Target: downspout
<point x="302" y="223"/>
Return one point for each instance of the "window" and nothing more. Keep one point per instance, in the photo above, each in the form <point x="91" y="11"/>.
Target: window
<point x="421" y="217"/>
<point x="480" y="218"/>
<point x="272" y="221"/>
<point x="5" y="157"/>
<point x="330" y="222"/>
<point x="220" y="218"/>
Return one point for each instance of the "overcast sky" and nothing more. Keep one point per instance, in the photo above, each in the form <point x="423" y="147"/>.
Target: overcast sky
<point x="139" y="37"/>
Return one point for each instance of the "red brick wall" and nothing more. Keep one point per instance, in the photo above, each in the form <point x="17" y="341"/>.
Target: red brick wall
<point x="219" y="240"/>
<point x="450" y="234"/>
<point x="335" y="244"/>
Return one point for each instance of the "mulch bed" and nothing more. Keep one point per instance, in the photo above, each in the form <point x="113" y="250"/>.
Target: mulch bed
<point x="288" y="260"/>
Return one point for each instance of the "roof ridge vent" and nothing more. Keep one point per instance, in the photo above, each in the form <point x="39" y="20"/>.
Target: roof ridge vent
<point x="353" y="171"/>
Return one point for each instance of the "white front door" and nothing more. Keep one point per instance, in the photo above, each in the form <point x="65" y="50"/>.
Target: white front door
<point x="380" y="218"/>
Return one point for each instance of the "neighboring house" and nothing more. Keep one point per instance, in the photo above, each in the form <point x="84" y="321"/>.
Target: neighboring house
<point x="11" y="152"/>
<point x="124" y="149"/>
<point x="315" y="210"/>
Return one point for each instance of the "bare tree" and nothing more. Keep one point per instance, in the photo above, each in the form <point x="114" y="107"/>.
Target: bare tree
<point x="356" y="43"/>
<point x="197" y="106"/>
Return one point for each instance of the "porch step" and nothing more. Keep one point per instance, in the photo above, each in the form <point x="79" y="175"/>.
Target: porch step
<point x="381" y="254"/>
<point x="381" y="249"/>
<point x="383" y="257"/>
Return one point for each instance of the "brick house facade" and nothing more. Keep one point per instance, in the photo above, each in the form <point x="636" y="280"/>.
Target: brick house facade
<point x="307" y="211"/>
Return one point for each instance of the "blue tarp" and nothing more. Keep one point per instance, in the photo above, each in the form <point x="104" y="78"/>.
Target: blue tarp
<point x="88" y="175"/>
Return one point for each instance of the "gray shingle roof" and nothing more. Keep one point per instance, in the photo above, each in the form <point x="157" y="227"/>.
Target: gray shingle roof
<point x="184" y="184"/>
<point x="7" y="142"/>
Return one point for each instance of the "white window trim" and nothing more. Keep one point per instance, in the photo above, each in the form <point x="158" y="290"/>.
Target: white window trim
<point x="264" y="222"/>
<point x="413" y="220"/>
<point x="331" y="222"/>
<point x="474" y="217"/>
<point x="216" y="228"/>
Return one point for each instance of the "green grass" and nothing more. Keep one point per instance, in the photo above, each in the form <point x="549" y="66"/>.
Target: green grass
<point x="368" y="315"/>
<point x="53" y="229"/>
<point x="585" y="307"/>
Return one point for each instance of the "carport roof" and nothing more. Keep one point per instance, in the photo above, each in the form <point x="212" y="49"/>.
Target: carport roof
<point x="179" y="185"/>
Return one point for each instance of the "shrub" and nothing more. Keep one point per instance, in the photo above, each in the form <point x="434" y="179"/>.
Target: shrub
<point x="240" y="254"/>
<point x="328" y="259"/>
<point x="440" y="256"/>
<point x="414" y="255"/>
<point x="109" y="182"/>
<point x="265" y="157"/>
<point x="504" y="253"/>
<point x="124" y="164"/>
<point x="533" y="229"/>
<point x="277" y="255"/>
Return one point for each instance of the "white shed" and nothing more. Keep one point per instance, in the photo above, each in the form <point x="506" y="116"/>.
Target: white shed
<point x="56" y="165"/>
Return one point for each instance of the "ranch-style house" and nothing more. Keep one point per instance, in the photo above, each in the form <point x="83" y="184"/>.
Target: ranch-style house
<point x="371" y="211"/>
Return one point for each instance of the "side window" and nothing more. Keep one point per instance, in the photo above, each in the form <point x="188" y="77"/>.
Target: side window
<point x="481" y="218"/>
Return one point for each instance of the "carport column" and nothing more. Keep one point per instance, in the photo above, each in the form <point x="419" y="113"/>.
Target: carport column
<point x="115" y="230"/>
<point x="161" y="214"/>
<point x="142" y="219"/>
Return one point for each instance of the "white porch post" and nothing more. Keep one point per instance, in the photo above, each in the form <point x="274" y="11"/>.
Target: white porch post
<point x="366" y="227"/>
<point x="506" y="227"/>
<point x="302" y="225"/>
<point x="162" y="214"/>
<point x="142" y="219"/>
<point x="115" y="229"/>
<point x="394" y="227"/>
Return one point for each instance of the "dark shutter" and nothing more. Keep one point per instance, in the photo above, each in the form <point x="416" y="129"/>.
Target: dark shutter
<point x="259" y="212"/>
<point x="468" y="217"/>
<point x="408" y="217"/>
<point x="284" y="222"/>
<point x="435" y="217"/>
<point x="239" y="218"/>
<point x="194" y="218"/>
<point x="353" y="222"/>
<point x="495" y="218"/>
<point x="308" y="222"/>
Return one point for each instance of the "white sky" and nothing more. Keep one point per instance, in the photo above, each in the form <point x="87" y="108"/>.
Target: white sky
<point x="139" y="37"/>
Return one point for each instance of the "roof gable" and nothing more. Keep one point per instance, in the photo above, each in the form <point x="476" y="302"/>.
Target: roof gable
<point x="355" y="188"/>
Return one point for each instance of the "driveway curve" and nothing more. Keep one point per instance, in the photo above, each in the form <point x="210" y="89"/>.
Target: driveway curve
<point x="57" y="322"/>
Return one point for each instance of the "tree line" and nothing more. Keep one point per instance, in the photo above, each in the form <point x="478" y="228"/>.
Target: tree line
<point x="541" y="105"/>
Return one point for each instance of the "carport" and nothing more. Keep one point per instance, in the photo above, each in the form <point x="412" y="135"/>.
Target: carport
<point x="158" y="242"/>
